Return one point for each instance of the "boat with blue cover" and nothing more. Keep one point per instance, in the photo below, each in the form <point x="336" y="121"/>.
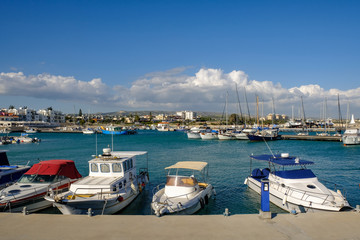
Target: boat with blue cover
<point x="295" y="190"/>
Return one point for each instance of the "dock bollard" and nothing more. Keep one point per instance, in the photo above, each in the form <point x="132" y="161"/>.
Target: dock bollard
<point x="89" y="212"/>
<point x="24" y="211"/>
<point x="265" y="199"/>
<point x="226" y="213"/>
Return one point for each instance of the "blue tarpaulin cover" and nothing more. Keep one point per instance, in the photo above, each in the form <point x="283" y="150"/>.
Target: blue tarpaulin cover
<point x="283" y="161"/>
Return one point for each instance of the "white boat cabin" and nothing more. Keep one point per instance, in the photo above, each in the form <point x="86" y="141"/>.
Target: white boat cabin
<point x="109" y="172"/>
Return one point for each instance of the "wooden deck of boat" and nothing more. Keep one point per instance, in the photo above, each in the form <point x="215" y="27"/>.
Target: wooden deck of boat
<point x="311" y="138"/>
<point x="343" y="225"/>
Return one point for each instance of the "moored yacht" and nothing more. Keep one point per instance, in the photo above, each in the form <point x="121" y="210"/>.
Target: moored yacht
<point x="265" y="135"/>
<point x="112" y="184"/>
<point x="296" y="190"/>
<point x="194" y="133"/>
<point x="183" y="193"/>
<point x="29" y="191"/>
<point x="351" y="135"/>
<point x="209" y="134"/>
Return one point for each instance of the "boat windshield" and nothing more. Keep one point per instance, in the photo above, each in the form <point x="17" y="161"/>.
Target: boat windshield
<point x="181" y="181"/>
<point x="37" y="178"/>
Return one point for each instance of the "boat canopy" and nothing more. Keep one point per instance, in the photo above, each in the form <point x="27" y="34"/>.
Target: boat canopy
<point x="55" y="167"/>
<point x="199" y="166"/>
<point x="281" y="160"/>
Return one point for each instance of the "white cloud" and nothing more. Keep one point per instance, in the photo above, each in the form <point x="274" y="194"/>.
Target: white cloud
<point x="174" y="90"/>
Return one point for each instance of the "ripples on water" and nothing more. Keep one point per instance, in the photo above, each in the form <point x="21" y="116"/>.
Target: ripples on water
<point x="228" y="162"/>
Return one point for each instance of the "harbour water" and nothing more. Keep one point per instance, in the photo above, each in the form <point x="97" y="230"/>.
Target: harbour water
<point x="228" y="163"/>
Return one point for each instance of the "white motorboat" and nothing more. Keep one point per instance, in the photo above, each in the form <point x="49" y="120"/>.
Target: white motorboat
<point x="208" y="134"/>
<point x="10" y="173"/>
<point x="351" y="135"/>
<point x="163" y="127"/>
<point x="31" y="130"/>
<point x="183" y="194"/>
<point x="112" y="185"/>
<point x="29" y="191"/>
<point x="296" y="190"/>
<point x="88" y="131"/>
<point x="194" y="133"/>
<point x="243" y="135"/>
<point x="226" y="136"/>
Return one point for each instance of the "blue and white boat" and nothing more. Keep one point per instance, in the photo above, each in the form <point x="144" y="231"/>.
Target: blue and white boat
<point x="10" y="173"/>
<point x="295" y="190"/>
<point x="116" y="130"/>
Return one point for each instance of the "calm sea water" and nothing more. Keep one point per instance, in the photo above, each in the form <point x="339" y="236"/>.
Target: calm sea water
<point x="228" y="162"/>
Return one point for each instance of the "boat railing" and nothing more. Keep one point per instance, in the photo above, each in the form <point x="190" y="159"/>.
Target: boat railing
<point x="103" y="192"/>
<point x="302" y="195"/>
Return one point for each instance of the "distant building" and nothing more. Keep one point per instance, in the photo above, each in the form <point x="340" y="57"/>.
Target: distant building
<point x="187" y="115"/>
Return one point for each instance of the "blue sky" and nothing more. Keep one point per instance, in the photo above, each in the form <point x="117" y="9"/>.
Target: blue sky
<point x="159" y="55"/>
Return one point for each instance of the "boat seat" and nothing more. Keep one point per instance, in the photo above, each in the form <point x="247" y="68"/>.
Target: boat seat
<point x="266" y="172"/>
<point x="257" y="173"/>
<point x="203" y="185"/>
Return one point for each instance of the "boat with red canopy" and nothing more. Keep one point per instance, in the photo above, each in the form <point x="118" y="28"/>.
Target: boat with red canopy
<point x="29" y="191"/>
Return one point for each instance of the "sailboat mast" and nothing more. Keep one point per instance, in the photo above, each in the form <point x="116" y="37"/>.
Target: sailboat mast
<point x="247" y="104"/>
<point x="237" y="94"/>
<point x="339" y="110"/>
<point x="257" y="110"/>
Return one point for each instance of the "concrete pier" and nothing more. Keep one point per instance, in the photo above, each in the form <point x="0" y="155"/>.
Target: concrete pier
<point x="343" y="225"/>
<point x="311" y="138"/>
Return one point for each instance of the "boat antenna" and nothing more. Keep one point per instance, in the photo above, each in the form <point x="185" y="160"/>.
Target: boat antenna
<point x="269" y="148"/>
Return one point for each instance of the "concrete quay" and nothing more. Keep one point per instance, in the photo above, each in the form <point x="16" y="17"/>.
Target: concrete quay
<point x="342" y="225"/>
<point x="311" y="138"/>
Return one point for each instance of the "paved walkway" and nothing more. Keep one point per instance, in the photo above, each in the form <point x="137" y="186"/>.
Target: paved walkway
<point x="344" y="225"/>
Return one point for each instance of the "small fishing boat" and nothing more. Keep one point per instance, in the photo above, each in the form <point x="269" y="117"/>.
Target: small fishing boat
<point x="30" y="189"/>
<point x="183" y="194"/>
<point x="10" y="173"/>
<point x="112" y="185"/>
<point x="295" y="190"/>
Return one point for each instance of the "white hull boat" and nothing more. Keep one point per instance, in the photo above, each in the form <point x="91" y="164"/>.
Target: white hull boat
<point x="194" y="133"/>
<point x="241" y="136"/>
<point x="183" y="194"/>
<point x="30" y="190"/>
<point x="295" y="190"/>
<point x="112" y="185"/>
<point x="208" y="135"/>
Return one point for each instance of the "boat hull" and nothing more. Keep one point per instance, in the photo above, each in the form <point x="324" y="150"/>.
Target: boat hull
<point x="98" y="207"/>
<point x="351" y="140"/>
<point x="192" y="135"/>
<point x="181" y="206"/>
<point x="280" y="200"/>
